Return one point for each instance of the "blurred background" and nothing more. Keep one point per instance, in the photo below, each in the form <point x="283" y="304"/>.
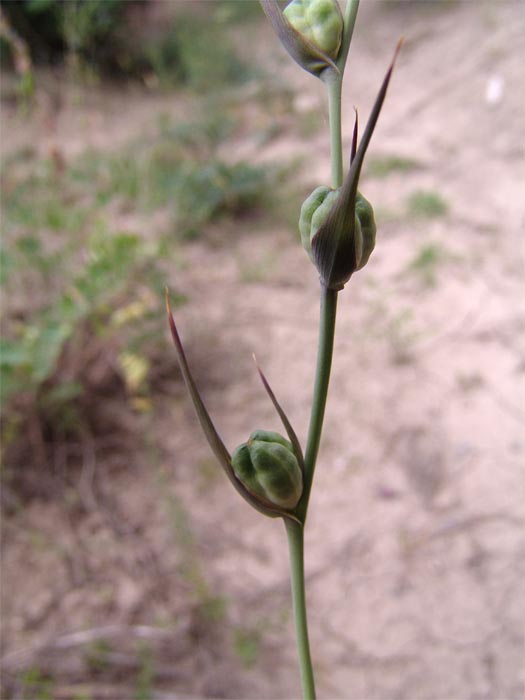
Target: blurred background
<point x="149" y="143"/>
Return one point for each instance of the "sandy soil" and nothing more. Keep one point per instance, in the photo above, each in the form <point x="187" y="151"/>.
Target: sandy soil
<point x="415" y="539"/>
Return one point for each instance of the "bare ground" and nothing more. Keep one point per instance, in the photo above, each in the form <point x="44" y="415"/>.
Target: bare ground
<point x="415" y="540"/>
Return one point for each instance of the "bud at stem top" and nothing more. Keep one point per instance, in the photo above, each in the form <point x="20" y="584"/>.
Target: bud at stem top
<point x="320" y="21"/>
<point x="310" y="30"/>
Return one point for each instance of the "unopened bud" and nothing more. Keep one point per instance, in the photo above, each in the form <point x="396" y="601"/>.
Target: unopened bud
<point x="267" y="466"/>
<point x="320" y="21"/>
<point x="348" y="240"/>
<point x="367" y="230"/>
<point x="337" y="227"/>
<point x="310" y="30"/>
<point x="314" y="211"/>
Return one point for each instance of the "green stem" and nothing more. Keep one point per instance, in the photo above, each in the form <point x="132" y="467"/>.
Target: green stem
<point x="349" y="22"/>
<point x="295" y="530"/>
<point x="295" y="533"/>
<point x="334" y="85"/>
<point x="322" y="379"/>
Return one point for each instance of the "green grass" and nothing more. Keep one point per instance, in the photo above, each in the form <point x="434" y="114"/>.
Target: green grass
<point x="217" y="190"/>
<point x="68" y="276"/>
<point x="381" y="166"/>
<point x="98" y="655"/>
<point x="246" y="644"/>
<point x="200" y="137"/>
<point x="228" y="11"/>
<point x="192" y="47"/>
<point x="426" y="204"/>
<point x="146" y="673"/>
<point x="37" y="199"/>
<point x="428" y="261"/>
<point x="195" y="53"/>
<point x="179" y="169"/>
<point x="213" y="608"/>
<point x="36" y="685"/>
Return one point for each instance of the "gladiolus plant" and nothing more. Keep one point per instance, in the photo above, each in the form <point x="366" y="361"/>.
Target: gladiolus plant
<point x="338" y="231"/>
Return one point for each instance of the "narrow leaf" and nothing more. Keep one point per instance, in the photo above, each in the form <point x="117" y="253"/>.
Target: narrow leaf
<point x="212" y="436"/>
<point x="354" y="138"/>
<point x="349" y="189"/>
<point x="331" y="250"/>
<point x="211" y="433"/>
<point x="284" y="418"/>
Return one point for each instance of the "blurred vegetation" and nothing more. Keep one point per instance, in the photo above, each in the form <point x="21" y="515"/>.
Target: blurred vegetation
<point x="246" y="644"/>
<point x="83" y="312"/>
<point x="428" y="261"/>
<point x="426" y="204"/>
<point x="35" y="684"/>
<point x="193" y="53"/>
<point x="93" y="30"/>
<point x="88" y="243"/>
<point x="189" y="46"/>
<point x="381" y="166"/>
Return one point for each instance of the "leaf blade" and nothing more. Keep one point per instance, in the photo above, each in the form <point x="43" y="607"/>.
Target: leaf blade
<point x="284" y="418"/>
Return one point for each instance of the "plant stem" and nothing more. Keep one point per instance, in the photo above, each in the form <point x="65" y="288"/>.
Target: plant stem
<point x="334" y="85"/>
<point x="295" y="533"/>
<point x="295" y="530"/>
<point x="349" y="22"/>
<point x="322" y="379"/>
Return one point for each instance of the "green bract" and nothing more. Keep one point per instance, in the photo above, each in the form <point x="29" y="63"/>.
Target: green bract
<point x="267" y="466"/>
<point x="320" y="21"/>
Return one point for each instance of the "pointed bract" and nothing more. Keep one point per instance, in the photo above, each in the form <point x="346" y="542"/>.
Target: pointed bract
<point x="207" y="425"/>
<point x="335" y="246"/>
<point x="212" y="436"/>
<point x="354" y="137"/>
<point x="352" y="178"/>
<point x="284" y="418"/>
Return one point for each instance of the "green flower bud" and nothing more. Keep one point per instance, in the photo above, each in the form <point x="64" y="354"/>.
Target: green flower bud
<point x="357" y="233"/>
<point x="337" y="227"/>
<point x="314" y="211"/>
<point x="367" y="230"/>
<point x="311" y="31"/>
<point x="267" y="466"/>
<point x="320" y="21"/>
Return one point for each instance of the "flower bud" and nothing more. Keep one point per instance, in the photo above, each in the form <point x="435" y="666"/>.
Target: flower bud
<point x="355" y="239"/>
<point x="314" y="211"/>
<point x="337" y="227"/>
<point x="367" y="230"/>
<point x="320" y="21"/>
<point x="311" y="31"/>
<point x="267" y="466"/>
